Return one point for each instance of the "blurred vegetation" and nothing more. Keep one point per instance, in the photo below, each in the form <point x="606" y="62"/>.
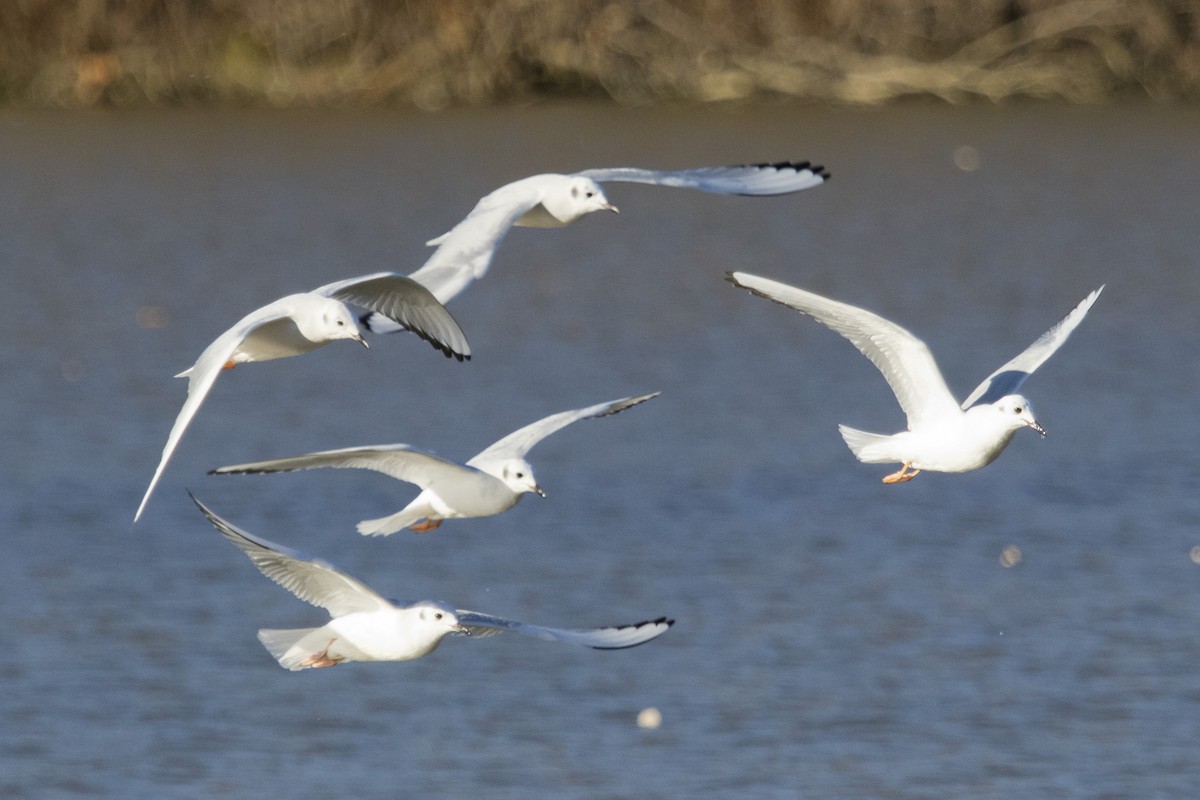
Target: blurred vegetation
<point x="440" y="53"/>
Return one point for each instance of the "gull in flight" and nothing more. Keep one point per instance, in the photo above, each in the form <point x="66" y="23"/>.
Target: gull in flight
<point x="298" y="323"/>
<point x="490" y="483"/>
<point x="366" y="626"/>
<point x="553" y="201"/>
<point x="942" y="435"/>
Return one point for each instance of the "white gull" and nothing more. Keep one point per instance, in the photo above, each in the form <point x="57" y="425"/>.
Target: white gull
<point x="300" y="323"/>
<point x="366" y="626"/>
<point x="490" y="483"/>
<point x="942" y="435"/>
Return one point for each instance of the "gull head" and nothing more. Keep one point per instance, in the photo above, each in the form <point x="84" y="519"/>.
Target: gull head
<point x="323" y="319"/>
<point x="518" y="476"/>
<point x="576" y="197"/>
<point x="1017" y="412"/>
<point x="437" y="619"/>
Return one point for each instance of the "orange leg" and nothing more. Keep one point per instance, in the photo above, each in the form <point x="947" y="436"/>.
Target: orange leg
<point x="322" y="659"/>
<point x="230" y="364"/>
<point x="903" y="476"/>
<point x="425" y="526"/>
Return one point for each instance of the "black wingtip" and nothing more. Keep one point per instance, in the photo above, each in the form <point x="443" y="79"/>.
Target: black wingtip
<point x="795" y="166"/>
<point x="659" y="621"/>
<point x="364" y="321"/>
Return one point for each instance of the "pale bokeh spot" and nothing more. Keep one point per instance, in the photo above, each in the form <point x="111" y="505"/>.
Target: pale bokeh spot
<point x="649" y="718"/>
<point x="153" y="317"/>
<point x="1010" y="556"/>
<point x="1194" y="554"/>
<point x="966" y="158"/>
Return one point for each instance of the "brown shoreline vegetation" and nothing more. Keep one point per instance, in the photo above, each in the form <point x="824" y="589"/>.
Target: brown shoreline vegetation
<point x="434" y="54"/>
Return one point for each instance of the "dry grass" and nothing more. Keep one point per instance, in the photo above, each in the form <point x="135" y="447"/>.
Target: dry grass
<point x="439" y="53"/>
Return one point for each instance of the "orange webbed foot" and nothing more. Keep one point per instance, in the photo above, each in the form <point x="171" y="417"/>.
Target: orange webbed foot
<point x="903" y="476"/>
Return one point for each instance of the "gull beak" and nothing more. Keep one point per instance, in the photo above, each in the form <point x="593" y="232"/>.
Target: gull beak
<point x="1037" y="427"/>
<point x="539" y="491"/>
<point x="611" y="207"/>
<point x="463" y="629"/>
<point x="358" y="337"/>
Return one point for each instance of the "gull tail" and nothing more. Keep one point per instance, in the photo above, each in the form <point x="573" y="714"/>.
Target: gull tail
<point x="290" y="648"/>
<point x="865" y="445"/>
<point x="385" y="526"/>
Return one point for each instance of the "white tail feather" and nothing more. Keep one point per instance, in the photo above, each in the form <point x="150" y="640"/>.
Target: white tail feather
<point x="385" y="526"/>
<point x="285" y="645"/>
<point x="861" y="443"/>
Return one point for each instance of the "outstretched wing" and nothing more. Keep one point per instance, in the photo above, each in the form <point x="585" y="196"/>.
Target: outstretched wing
<point x="904" y="360"/>
<point x="311" y="579"/>
<point x="612" y="638"/>
<point x="465" y="251"/>
<point x="783" y="177"/>
<point x="397" y="460"/>
<point x="406" y="303"/>
<point x="201" y="377"/>
<point x="1008" y="379"/>
<point x="519" y="442"/>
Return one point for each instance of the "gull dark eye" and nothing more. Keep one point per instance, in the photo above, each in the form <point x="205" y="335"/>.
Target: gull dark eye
<point x="1017" y="410"/>
<point x="340" y="323"/>
<point x="520" y="474"/>
<point x="437" y="616"/>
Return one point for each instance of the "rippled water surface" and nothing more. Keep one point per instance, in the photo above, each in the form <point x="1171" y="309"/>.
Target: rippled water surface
<point x="836" y="638"/>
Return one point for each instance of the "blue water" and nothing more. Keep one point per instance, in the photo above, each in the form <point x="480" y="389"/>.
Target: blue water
<point x="836" y="638"/>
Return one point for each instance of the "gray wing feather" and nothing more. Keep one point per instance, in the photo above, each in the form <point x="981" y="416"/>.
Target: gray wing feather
<point x="311" y="579"/>
<point x="396" y="460"/>
<point x="611" y="638"/>
<point x="465" y="252"/>
<point x="746" y="179"/>
<point x="905" y="361"/>
<point x="407" y="303"/>
<point x="1008" y="379"/>
<point x="521" y="441"/>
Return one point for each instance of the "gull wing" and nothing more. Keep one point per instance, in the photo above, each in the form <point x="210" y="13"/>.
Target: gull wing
<point x="407" y="303"/>
<point x="904" y="360"/>
<point x="1008" y="379"/>
<point x="521" y="441"/>
<point x="201" y="377"/>
<point x="783" y="177"/>
<point x="311" y="579"/>
<point x="465" y="252"/>
<point x="612" y="638"/>
<point x="397" y="460"/>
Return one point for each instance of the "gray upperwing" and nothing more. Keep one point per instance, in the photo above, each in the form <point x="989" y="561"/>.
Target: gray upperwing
<point x="310" y="579"/>
<point x="408" y="303"/>
<point x="1008" y="379"/>
<point x="398" y="461"/>
<point x="609" y="638"/>
<point x="783" y="177"/>
<point x="522" y="440"/>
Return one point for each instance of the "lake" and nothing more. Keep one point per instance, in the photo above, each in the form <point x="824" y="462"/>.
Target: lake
<point x="1028" y="630"/>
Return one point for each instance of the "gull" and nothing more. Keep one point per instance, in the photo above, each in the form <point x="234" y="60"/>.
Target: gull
<point x="366" y="626"/>
<point x="490" y="483"/>
<point x="299" y="323"/>
<point x="553" y="201"/>
<point x="942" y="435"/>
